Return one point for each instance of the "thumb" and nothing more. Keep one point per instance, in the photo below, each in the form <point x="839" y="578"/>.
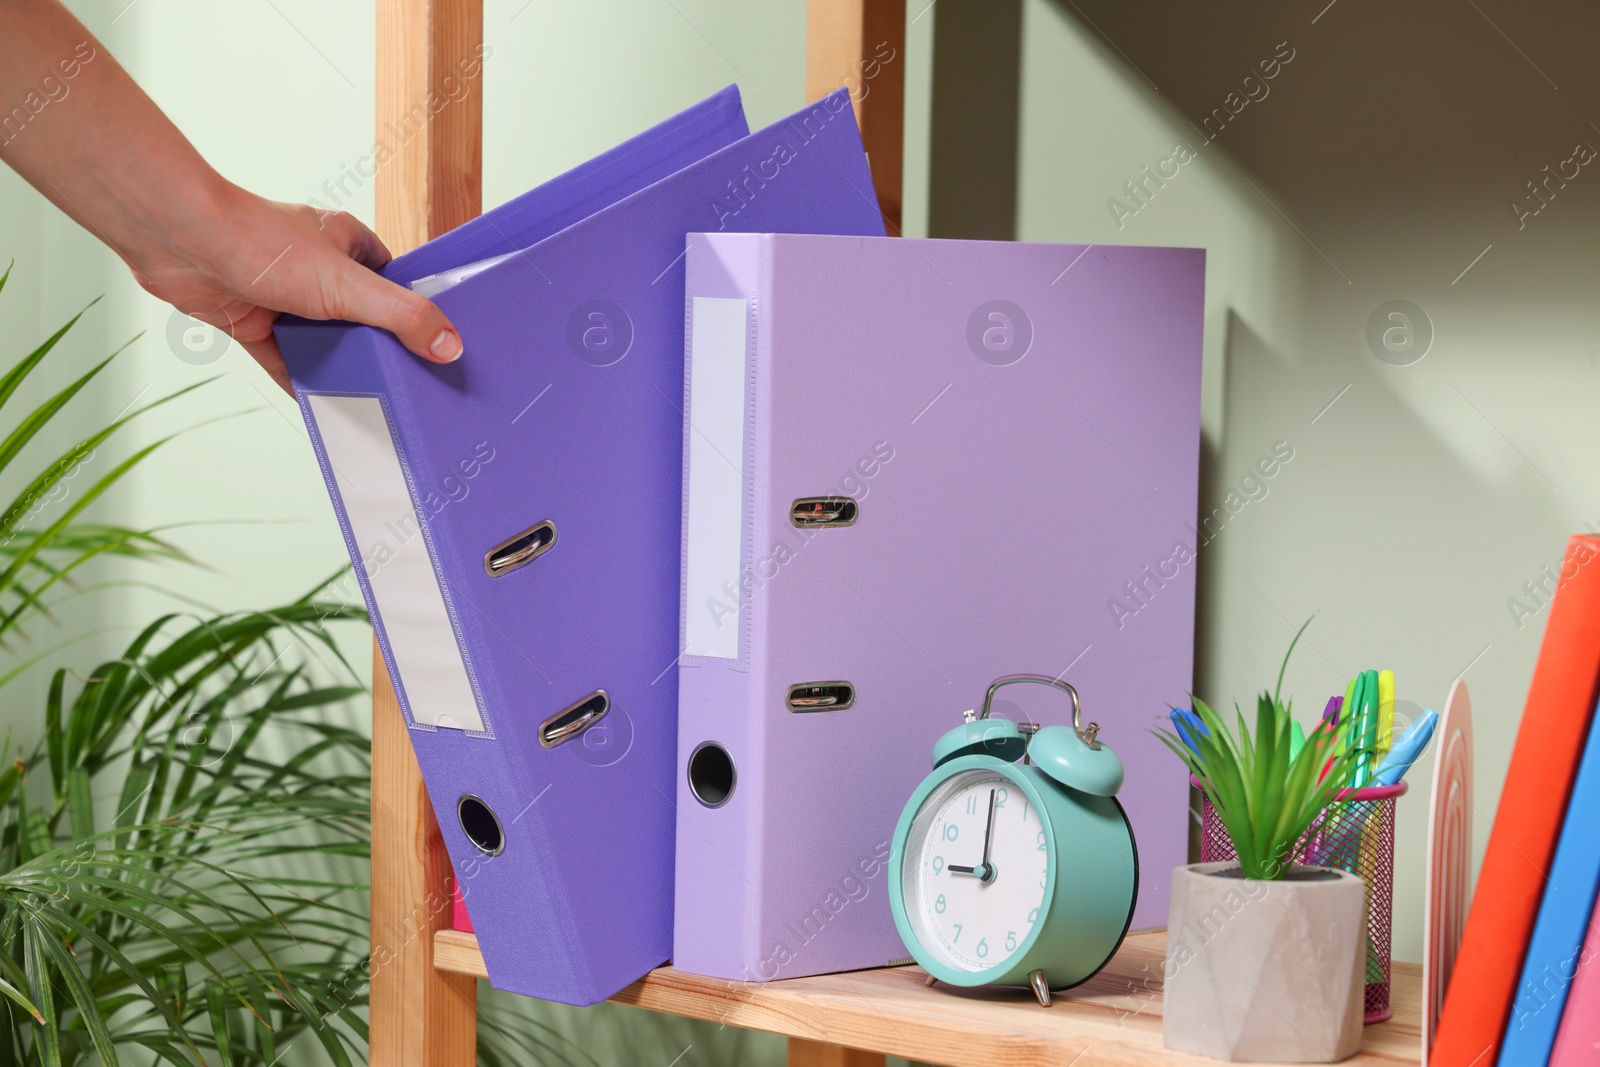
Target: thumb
<point x="372" y="300"/>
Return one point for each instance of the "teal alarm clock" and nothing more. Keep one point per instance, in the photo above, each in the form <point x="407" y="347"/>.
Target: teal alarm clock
<point x="1013" y="863"/>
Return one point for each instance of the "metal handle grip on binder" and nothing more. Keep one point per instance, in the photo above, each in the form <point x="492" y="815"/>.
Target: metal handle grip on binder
<point x="572" y="721"/>
<point x="820" y="696"/>
<point x="823" y="511"/>
<point x="520" y="550"/>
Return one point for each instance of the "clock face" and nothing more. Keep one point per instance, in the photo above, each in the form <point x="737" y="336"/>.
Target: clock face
<point x="975" y="920"/>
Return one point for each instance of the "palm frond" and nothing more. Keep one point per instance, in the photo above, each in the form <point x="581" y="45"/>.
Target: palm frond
<point x="184" y="841"/>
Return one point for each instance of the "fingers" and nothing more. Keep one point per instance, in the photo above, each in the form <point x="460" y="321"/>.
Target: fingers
<point x="326" y="271"/>
<point x="251" y="329"/>
<point x="265" y="352"/>
<point x="366" y="298"/>
<point x="414" y="319"/>
<point x="358" y="242"/>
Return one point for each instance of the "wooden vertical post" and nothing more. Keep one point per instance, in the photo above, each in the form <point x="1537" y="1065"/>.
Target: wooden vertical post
<point x="430" y="120"/>
<point x="861" y="44"/>
<point x="803" y="1053"/>
<point x="430" y="116"/>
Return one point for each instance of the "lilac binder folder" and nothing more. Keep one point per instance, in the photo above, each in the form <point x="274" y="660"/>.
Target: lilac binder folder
<point x="515" y="521"/>
<point x="916" y="466"/>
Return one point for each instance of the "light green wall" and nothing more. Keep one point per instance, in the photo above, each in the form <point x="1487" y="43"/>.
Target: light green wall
<point x="1412" y="510"/>
<point x="1419" y="503"/>
<point x="243" y="83"/>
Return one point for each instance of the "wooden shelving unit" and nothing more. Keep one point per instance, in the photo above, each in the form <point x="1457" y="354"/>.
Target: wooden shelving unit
<point x="1113" y="1020"/>
<point x="424" y="974"/>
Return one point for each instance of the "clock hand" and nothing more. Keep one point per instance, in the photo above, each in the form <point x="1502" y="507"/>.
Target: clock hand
<point x="986" y="869"/>
<point x="989" y="827"/>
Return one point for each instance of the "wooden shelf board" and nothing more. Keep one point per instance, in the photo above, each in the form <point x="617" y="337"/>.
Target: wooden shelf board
<point x="1113" y="1020"/>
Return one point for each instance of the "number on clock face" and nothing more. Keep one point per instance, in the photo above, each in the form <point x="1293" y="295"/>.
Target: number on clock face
<point x="973" y="923"/>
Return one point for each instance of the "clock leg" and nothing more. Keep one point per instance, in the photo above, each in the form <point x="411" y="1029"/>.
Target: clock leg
<point x="1041" y="987"/>
<point x="930" y="981"/>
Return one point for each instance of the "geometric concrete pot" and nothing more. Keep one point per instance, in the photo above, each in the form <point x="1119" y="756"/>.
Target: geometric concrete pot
<point x="1265" y="971"/>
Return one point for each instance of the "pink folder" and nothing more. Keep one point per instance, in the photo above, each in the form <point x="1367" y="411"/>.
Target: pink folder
<point x="1578" y="1040"/>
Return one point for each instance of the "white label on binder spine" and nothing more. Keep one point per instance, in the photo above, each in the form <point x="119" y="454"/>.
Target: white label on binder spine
<point x="719" y="336"/>
<point x="377" y="502"/>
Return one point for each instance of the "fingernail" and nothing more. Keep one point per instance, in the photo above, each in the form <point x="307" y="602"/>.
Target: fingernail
<point x="447" y="346"/>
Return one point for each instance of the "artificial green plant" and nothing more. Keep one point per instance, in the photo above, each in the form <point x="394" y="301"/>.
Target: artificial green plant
<point x="1266" y="787"/>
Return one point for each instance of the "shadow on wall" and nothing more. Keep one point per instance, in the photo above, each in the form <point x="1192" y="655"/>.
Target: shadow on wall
<point x="1400" y="218"/>
<point x="1353" y="466"/>
<point x="975" y="132"/>
<point x="1415" y="148"/>
<point x="1389" y="107"/>
<point x="1444" y="212"/>
<point x="1432" y="187"/>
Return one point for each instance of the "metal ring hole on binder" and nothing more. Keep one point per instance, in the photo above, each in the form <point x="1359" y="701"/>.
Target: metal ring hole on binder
<point x="569" y="722"/>
<point x="820" y="696"/>
<point x="823" y="511"/>
<point x="481" y="825"/>
<point x="711" y="774"/>
<point x="520" y="551"/>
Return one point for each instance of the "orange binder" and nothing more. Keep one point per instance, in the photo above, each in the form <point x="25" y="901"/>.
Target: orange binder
<point x="1532" y="806"/>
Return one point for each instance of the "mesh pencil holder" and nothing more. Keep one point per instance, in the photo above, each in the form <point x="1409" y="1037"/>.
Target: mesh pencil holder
<point x="1354" y="833"/>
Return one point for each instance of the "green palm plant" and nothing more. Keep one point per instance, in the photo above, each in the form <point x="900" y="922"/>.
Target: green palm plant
<point x="165" y="914"/>
<point x="1267" y="787"/>
<point x="33" y="563"/>
<point x="162" y="846"/>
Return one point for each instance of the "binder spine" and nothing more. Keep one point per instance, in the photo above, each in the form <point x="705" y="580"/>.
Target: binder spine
<point x="372" y="472"/>
<point x="758" y="961"/>
<point x="371" y="381"/>
<point x="352" y="364"/>
<point x="722" y="672"/>
<point x="451" y="555"/>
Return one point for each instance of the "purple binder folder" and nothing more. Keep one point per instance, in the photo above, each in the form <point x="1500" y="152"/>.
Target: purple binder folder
<point x="916" y="466"/>
<point x="514" y="518"/>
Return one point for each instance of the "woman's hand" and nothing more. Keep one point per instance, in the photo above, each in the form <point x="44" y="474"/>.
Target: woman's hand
<point x="97" y="147"/>
<point x="256" y="258"/>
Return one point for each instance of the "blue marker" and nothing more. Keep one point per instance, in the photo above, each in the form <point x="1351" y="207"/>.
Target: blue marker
<point x="1407" y="749"/>
<point x="1191" y="728"/>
